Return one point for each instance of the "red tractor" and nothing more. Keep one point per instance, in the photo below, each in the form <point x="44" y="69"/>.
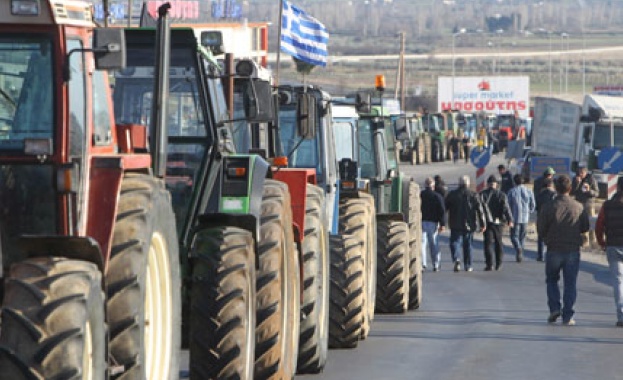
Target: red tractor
<point x="88" y="238"/>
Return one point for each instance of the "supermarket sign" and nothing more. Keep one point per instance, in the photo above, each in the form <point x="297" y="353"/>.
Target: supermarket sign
<point x="497" y="95"/>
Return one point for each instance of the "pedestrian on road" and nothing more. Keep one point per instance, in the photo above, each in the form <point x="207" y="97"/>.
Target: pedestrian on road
<point x="467" y="147"/>
<point x="433" y="222"/>
<point x="609" y="234"/>
<point x="561" y="223"/>
<point x="465" y="216"/>
<point x="522" y="203"/>
<point x="440" y="186"/>
<point x="498" y="213"/>
<point x="505" y="178"/>
<point x="454" y="148"/>
<point x="546" y="195"/>
<point x="538" y="183"/>
<point x="584" y="188"/>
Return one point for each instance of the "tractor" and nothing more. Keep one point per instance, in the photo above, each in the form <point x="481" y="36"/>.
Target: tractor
<point x="349" y="219"/>
<point x="240" y="288"/>
<point x="308" y="206"/>
<point x="398" y="218"/>
<point x="92" y="270"/>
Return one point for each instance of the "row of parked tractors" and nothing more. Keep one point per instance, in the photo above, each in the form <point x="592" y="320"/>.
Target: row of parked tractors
<point x="196" y="206"/>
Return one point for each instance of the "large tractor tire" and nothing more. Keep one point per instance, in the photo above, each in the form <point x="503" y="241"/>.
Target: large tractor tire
<point x="143" y="278"/>
<point x="222" y="304"/>
<point x="347" y="289"/>
<point x="392" y="292"/>
<point x="53" y="324"/>
<point x="411" y="206"/>
<point x="314" y="333"/>
<point x="278" y="288"/>
<point x="413" y="156"/>
<point x="358" y="219"/>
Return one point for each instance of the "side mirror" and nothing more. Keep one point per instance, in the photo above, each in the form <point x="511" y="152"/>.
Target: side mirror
<point x="401" y="130"/>
<point x="109" y="48"/>
<point x="258" y="101"/>
<point x="363" y="102"/>
<point x="213" y="41"/>
<point x="306" y="116"/>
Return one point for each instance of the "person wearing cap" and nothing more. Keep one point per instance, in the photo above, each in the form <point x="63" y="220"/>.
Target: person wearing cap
<point x="433" y="221"/>
<point x="538" y="183"/>
<point x="609" y="234"/>
<point x="522" y="203"/>
<point x="465" y="216"/>
<point x="498" y="213"/>
<point x="546" y="195"/>
<point x="506" y="180"/>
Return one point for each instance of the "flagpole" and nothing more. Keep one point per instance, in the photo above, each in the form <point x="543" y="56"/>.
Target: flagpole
<point x="279" y="43"/>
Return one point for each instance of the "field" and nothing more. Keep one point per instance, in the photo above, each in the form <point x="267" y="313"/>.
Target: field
<point x="572" y="64"/>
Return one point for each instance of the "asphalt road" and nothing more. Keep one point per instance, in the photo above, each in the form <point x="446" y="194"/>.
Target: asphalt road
<point x="490" y="325"/>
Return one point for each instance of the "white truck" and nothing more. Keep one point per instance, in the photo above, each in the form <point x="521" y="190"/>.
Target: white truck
<point x="603" y="115"/>
<point x="578" y="132"/>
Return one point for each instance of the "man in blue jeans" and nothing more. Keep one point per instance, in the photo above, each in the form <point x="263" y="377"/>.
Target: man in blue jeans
<point x="465" y="216"/>
<point x="522" y="204"/>
<point x="609" y="234"/>
<point x="561" y="223"/>
<point x="433" y="222"/>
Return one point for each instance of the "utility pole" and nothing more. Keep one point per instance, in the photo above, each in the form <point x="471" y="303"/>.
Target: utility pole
<point x="402" y="70"/>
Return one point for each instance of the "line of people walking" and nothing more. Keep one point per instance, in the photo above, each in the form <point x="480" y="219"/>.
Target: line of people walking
<point x="563" y="207"/>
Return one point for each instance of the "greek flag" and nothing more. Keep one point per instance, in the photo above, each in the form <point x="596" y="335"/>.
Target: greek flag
<point x="302" y="36"/>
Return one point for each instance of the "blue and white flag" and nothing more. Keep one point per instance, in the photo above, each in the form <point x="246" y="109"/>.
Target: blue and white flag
<point x="302" y="36"/>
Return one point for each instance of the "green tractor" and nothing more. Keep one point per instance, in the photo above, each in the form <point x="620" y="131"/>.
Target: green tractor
<point x="398" y="218"/>
<point x="240" y="270"/>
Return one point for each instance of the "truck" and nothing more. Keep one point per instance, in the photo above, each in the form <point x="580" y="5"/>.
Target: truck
<point x="602" y="123"/>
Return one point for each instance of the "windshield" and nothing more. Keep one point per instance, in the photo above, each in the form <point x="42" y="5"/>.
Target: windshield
<point x="26" y="90"/>
<point x="343" y="133"/>
<point x="601" y="138"/>
<point x="390" y="145"/>
<point x="301" y="153"/>
<point x="366" y="149"/>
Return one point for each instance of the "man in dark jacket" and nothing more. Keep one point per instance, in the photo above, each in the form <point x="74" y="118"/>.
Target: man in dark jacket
<point x="543" y="197"/>
<point x="465" y="215"/>
<point x="440" y="186"/>
<point x="609" y="234"/>
<point x="506" y="179"/>
<point x="433" y="222"/>
<point x="498" y="213"/>
<point x="562" y="223"/>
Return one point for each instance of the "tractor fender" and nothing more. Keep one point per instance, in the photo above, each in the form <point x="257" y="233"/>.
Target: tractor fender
<point x="398" y="216"/>
<point x="71" y="247"/>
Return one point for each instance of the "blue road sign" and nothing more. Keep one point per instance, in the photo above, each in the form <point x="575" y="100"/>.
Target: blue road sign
<point x="610" y="160"/>
<point x="480" y="157"/>
<point x="561" y="165"/>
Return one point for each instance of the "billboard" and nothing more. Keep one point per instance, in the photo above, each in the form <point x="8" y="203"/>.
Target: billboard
<point x="497" y="95"/>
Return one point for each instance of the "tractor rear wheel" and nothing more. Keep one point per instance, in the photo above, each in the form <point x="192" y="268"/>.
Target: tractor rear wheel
<point x="314" y="332"/>
<point x="411" y="207"/>
<point x="358" y="219"/>
<point x="143" y="279"/>
<point x="392" y="292"/>
<point x="53" y="324"/>
<point x="222" y="318"/>
<point x="347" y="292"/>
<point x="278" y="287"/>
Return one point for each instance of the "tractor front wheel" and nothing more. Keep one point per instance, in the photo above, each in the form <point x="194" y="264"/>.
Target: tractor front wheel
<point x="53" y="324"/>
<point x="143" y="278"/>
